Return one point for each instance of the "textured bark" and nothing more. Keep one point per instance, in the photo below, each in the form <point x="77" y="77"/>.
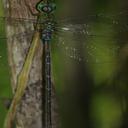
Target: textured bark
<point x="19" y="33"/>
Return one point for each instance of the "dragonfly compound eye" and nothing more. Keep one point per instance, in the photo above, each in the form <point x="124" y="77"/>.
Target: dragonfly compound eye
<point x="45" y="8"/>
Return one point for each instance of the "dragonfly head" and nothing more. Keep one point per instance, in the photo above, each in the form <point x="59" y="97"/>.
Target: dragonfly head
<point x="44" y="7"/>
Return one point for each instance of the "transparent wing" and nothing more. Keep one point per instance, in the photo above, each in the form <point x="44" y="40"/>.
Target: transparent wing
<point x="16" y="28"/>
<point x="93" y="40"/>
<point x="90" y="28"/>
<point x="100" y="17"/>
<point x="73" y="23"/>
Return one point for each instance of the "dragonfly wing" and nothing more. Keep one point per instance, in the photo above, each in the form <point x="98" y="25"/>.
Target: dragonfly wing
<point x="15" y="20"/>
<point x="13" y="26"/>
<point x="115" y="18"/>
<point x="92" y="42"/>
<point x="89" y="24"/>
<point x="93" y="50"/>
<point x="90" y="28"/>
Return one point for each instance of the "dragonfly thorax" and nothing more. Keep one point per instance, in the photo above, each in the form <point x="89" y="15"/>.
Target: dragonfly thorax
<point x="47" y="31"/>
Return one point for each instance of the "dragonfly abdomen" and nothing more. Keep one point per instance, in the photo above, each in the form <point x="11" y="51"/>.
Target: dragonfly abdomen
<point x="48" y="86"/>
<point x="49" y="89"/>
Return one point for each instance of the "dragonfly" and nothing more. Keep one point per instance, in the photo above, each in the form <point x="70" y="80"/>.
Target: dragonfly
<point x="46" y="28"/>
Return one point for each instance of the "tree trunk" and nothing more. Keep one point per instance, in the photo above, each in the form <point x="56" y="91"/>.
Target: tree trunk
<point x="19" y="33"/>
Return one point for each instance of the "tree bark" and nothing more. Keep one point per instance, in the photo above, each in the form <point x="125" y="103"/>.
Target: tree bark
<point x="19" y="36"/>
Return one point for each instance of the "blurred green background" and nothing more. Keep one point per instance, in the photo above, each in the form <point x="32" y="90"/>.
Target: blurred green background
<point x="5" y="86"/>
<point x="91" y="93"/>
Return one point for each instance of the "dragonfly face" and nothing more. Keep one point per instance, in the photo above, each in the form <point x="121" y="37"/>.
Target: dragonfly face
<point x="44" y="7"/>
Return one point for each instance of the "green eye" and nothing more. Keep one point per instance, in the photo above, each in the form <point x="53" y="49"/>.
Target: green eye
<point x="46" y="8"/>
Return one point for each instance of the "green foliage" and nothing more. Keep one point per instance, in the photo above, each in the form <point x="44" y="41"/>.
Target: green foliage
<point x="106" y="111"/>
<point x="5" y="87"/>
